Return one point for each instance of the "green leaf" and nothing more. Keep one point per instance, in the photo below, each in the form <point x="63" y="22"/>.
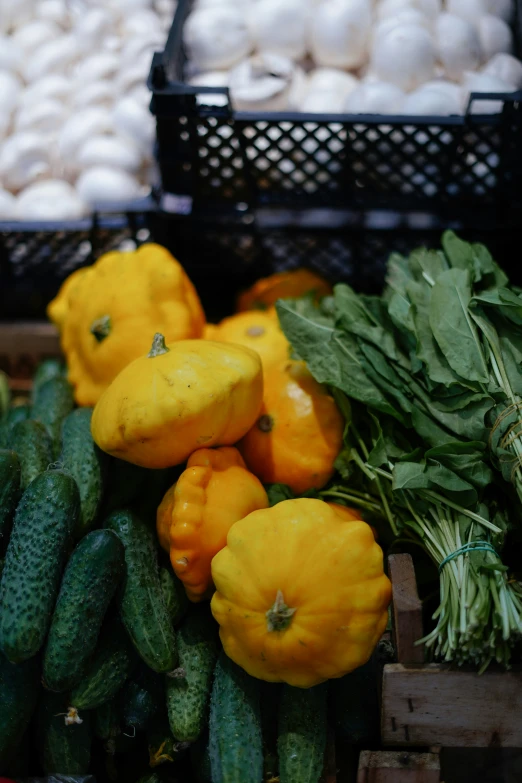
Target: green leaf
<point x="421" y="476"/>
<point x="277" y="493"/>
<point x="427" y="265"/>
<point x="507" y="302"/>
<point x="453" y="326"/>
<point x="355" y="317"/>
<point x="467" y="460"/>
<point x="458" y="252"/>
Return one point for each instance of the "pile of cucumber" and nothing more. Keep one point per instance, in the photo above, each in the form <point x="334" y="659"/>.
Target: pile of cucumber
<point x="105" y="667"/>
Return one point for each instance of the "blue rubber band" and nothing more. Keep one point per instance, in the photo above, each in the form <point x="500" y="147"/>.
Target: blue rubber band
<point x="472" y="546"/>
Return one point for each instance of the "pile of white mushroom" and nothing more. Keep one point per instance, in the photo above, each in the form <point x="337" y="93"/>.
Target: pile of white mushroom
<point x="408" y="57"/>
<point x="75" y="126"/>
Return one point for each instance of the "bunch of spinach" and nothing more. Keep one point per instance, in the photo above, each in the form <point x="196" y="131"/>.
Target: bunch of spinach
<point x="434" y="366"/>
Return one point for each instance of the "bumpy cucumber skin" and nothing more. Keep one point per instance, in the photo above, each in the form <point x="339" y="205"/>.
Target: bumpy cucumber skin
<point x="64" y="750"/>
<point x="10" y="473"/>
<point x="52" y="403"/>
<point x="88" y="585"/>
<point x="13" y="416"/>
<point x="236" y="743"/>
<point x="141" y="601"/>
<point x="302" y="734"/>
<point x="34" y="561"/>
<point x="110" y="666"/>
<point x="50" y="368"/>
<point x="174" y="594"/>
<point x="86" y="463"/>
<point x="19" y="687"/>
<point x="188" y="696"/>
<point x="143" y="697"/>
<point x="33" y="445"/>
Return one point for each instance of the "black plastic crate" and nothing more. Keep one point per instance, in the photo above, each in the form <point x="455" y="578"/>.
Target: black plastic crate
<point x="212" y="158"/>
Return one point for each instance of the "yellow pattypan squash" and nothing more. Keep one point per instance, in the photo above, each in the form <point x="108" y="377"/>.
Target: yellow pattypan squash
<point x="299" y="433"/>
<point x="301" y="596"/>
<point x="164" y="406"/>
<point x="213" y="492"/>
<point x="282" y="285"/>
<point x="58" y="309"/>
<point x="256" y="330"/>
<point x="114" y="309"/>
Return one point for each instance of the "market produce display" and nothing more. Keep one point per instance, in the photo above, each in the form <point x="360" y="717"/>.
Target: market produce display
<point x="192" y="572"/>
<point x="75" y="127"/>
<point x="409" y="57"/>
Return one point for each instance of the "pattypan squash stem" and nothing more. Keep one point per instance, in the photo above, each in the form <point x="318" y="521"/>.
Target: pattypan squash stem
<point x="158" y="346"/>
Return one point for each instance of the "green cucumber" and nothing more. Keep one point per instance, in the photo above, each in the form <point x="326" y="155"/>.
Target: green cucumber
<point x="150" y="777"/>
<point x="33" y="445"/>
<point x="5" y="395"/>
<point x="34" y="561"/>
<point x="355" y="701"/>
<point x="19" y="686"/>
<point x="13" y="416"/>
<point x="64" y="749"/>
<point x="188" y="695"/>
<point x="236" y="743"/>
<point x="174" y="594"/>
<point x="107" y="720"/>
<point x="112" y="663"/>
<point x="85" y="462"/>
<point x="141" y="601"/>
<point x="53" y="401"/>
<point x="163" y="747"/>
<point x="89" y="583"/>
<point x="9" y="490"/>
<point x="302" y="734"/>
<point x="142" y="698"/>
<point x="46" y="370"/>
<point x="200" y="760"/>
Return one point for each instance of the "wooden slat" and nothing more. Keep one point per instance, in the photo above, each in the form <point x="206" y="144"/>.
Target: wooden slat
<point x="435" y="705"/>
<point x="19" y="338"/>
<point x="407" y="609"/>
<point x="401" y="767"/>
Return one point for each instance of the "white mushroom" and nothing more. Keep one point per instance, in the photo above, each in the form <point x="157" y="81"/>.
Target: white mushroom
<point x="211" y="79"/>
<point x="405" y="17"/>
<point x="94" y="68"/>
<point x="280" y="27"/>
<point x="45" y="116"/>
<point x="133" y="75"/>
<point x="34" y="34"/>
<point x="53" y="86"/>
<point x="140" y="46"/>
<point x="390" y="8"/>
<point x="110" y="151"/>
<point x="375" y="97"/>
<point x="138" y="22"/>
<point x="467" y="9"/>
<point x="262" y="83"/>
<point x="53" y="199"/>
<point x="94" y="25"/>
<point x="216" y="38"/>
<point x="458" y="45"/>
<point x="340" y="32"/>
<point x="135" y="121"/>
<point x="11" y="55"/>
<point x="327" y="90"/>
<point x="10" y="88"/>
<point x="485" y="82"/>
<point x="81" y="126"/>
<point x="102" y="93"/>
<point x="431" y="100"/>
<point x="506" y="68"/>
<point x="7" y="205"/>
<point x="495" y="36"/>
<point x="503" y="8"/>
<point x="54" y="11"/>
<point x="105" y="185"/>
<point x="405" y="57"/>
<point x="23" y="158"/>
<point x="52" y="57"/>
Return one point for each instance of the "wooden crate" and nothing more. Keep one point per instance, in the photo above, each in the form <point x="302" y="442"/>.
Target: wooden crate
<point x="23" y="345"/>
<point x="404" y="767"/>
<point x="439" y="704"/>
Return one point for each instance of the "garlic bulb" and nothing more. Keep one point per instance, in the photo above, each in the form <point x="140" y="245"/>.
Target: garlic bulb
<point x="10" y="88"/>
<point x="211" y="79"/>
<point x="54" y="11"/>
<point x="52" y="57"/>
<point x="431" y="100"/>
<point x="35" y="34"/>
<point x="216" y="38"/>
<point x="94" y="25"/>
<point x="458" y="45"/>
<point x="467" y="9"/>
<point x="110" y="151"/>
<point x="53" y="87"/>
<point x="375" y="97"/>
<point x="495" y="36"/>
<point x="7" y="205"/>
<point x="45" y="116"/>
<point x="390" y="8"/>
<point x="53" y="199"/>
<point x="483" y="83"/>
<point x="506" y="68"/>
<point x="101" y="93"/>
<point x="327" y="90"/>
<point x="262" y="83"/>
<point x="340" y="32"/>
<point x="405" y="57"/>
<point x="11" y="55"/>
<point x="99" y="185"/>
<point x="280" y="27"/>
<point x="23" y="158"/>
<point x="96" y="67"/>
